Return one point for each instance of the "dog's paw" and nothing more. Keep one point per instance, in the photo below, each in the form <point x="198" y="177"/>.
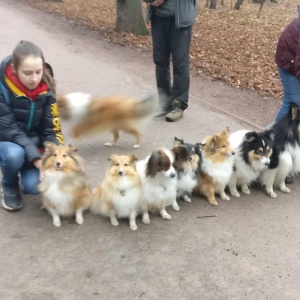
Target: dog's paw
<point x="213" y="202"/>
<point x="146" y="220"/>
<point x="246" y="191"/>
<point x="114" y="222"/>
<point x="225" y="197"/>
<point x="133" y="227"/>
<point x="187" y="198"/>
<point x="56" y="222"/>
<point x="136" y="146"/>
<point x="79" y="220"/>
<point x="166" y="217"/>
<point x="108" y="144"/>
<point x="176" y="207"/>
<point x="235" y="194"/>
<point x="272" y="194"/>
<point x="285" y="189"/>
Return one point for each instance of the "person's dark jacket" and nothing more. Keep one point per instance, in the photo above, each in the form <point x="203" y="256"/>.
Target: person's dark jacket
<point x="185" y="13"/>
<point x="25" y="122"/>
<point x="287" y="55"/>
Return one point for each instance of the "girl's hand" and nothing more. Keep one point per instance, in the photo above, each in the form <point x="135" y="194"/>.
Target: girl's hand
<point x="38" y="164"/>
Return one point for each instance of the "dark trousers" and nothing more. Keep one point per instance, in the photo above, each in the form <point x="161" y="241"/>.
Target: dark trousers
<point x="171" y="42"/>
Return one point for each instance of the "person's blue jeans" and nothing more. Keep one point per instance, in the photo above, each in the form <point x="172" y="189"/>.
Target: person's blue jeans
<point x="12" y="163"/>
<point x="291" y="92"/>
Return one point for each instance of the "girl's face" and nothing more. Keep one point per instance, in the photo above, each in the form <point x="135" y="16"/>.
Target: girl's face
<point x="30" y="71"/>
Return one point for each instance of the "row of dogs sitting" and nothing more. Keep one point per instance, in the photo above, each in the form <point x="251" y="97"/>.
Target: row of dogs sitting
<point x="131" y="187"/>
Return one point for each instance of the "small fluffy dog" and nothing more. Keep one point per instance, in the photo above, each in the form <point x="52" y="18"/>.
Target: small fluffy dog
<point x="159" y="183"/>
<point x="119" y="194"/>
<point x="285" y="157"/>
<point x="252" y="155"/>
<point x="217" y="166"/>
<point x="188" y="159"/>
<point x="64" y="186"/>
<point x="89" y="115"/>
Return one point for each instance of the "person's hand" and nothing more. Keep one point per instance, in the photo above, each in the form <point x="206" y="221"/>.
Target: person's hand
<point x="38" y="164"/>
<point x="157" y="2"/>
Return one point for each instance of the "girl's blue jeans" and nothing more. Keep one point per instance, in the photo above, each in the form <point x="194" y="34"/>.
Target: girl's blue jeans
<point x="291" y="92"/>
<point x="13" y="167"/>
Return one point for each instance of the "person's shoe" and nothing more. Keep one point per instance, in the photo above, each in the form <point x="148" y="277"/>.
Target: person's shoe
<point x="11" y="198"/>
<point x="176" y="113"/>
<point x="289" y="179"/>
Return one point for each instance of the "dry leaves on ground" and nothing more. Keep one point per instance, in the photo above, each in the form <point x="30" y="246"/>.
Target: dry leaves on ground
<point x="230" y="45"/>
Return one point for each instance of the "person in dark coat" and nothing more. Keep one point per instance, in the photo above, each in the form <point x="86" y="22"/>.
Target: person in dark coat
<point x="171" y="26"/>
<point x="287" y="58"/>
<point x="28" y="118"/>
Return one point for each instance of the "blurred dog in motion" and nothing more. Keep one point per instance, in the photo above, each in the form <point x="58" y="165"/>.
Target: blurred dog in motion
<point x="89" y="114"/>
<point x="64" y="186"/>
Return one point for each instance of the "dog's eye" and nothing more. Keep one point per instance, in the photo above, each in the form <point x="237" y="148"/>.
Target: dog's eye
<point x="55" y="154"/>
<point x="259" y="152"/>
<point x="117" y="164"/>
<point x="126" y="165"/>
<point x="64" y="155"/>
<point x="223" y="146"/>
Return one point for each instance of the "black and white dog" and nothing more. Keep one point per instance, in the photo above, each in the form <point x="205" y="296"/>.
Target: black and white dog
<point x="188" y="159"/>
<point x="252" y="156"/>
<point x="285" y="158"/>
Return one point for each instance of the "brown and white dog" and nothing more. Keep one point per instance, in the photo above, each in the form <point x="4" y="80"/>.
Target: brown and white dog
<point x="89" y="114"/>
<point x="217" y="166"/>
<point x="64" y="186"/>
<point x="119" y="194"/>
<point x="159" y="183"/>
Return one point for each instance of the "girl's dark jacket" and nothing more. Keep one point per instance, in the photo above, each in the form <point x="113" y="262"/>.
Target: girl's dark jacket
<point x="185" y="13"/>
<point x="288" y="49"/>
<point x="25" y="122"/>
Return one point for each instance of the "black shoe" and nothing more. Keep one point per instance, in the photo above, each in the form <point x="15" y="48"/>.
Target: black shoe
<point x="289" y="179"/>
<point x="11" y="198"/>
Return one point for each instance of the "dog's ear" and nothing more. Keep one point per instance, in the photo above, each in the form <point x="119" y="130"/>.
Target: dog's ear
<point x="226" y="131"/>
<point x="133" y="158"/>
<point x="271" y="134"/>
<point x="250" y="136"/>
<point x="49" y="146"/>
<point x="200" y="146"/>
<point x="152" y="165"/>
<point x="177" y="141"/>
<point x="112" y="157"/>
<point x="213" y="143"/>
<point x="295" y="112"/>
<point x="72" y="148"/>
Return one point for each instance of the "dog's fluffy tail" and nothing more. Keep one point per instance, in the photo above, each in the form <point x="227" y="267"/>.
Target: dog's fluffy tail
<point x="148" y="106"/>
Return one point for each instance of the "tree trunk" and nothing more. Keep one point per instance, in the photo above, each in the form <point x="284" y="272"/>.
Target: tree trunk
<point x="260" y="8"/>
<point x="238" y="4"/>
<point x="130" y="17"/>
<point x="213" y="4"/>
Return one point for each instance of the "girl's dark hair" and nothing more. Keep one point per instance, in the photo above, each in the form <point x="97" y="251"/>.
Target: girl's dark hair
<point x="25" y="49"/>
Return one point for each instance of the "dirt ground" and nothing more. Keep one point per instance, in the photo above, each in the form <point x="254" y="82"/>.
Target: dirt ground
<point x="245" y="248"/>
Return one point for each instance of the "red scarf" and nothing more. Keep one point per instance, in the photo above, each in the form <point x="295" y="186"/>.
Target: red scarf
<point x="31" y="94"/>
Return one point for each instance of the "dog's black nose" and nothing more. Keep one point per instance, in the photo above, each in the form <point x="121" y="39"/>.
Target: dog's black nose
<point x="58" y="164"/>
<point x="267" y="163"/>
<point x="121" y="173"/>
<point x="232" y="153"/>
<point x="172" y="175"/>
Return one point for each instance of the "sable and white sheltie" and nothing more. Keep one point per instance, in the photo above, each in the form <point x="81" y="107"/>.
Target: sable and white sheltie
<point x="217" y="166"/>
<point x="119" y="194"/>
<point x="188" y="159"/>
<point x="159" y="183"/>
<point x="89" y="114"/>
<point x="285" y="157"/>
<point x="252" y="155"/>
<point x="64" y="186"/>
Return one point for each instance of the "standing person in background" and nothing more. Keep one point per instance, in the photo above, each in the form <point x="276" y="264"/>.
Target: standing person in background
<point x="287" y="58"/>
<point x="28" y="118"/>
<point x="171" y="26"/>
